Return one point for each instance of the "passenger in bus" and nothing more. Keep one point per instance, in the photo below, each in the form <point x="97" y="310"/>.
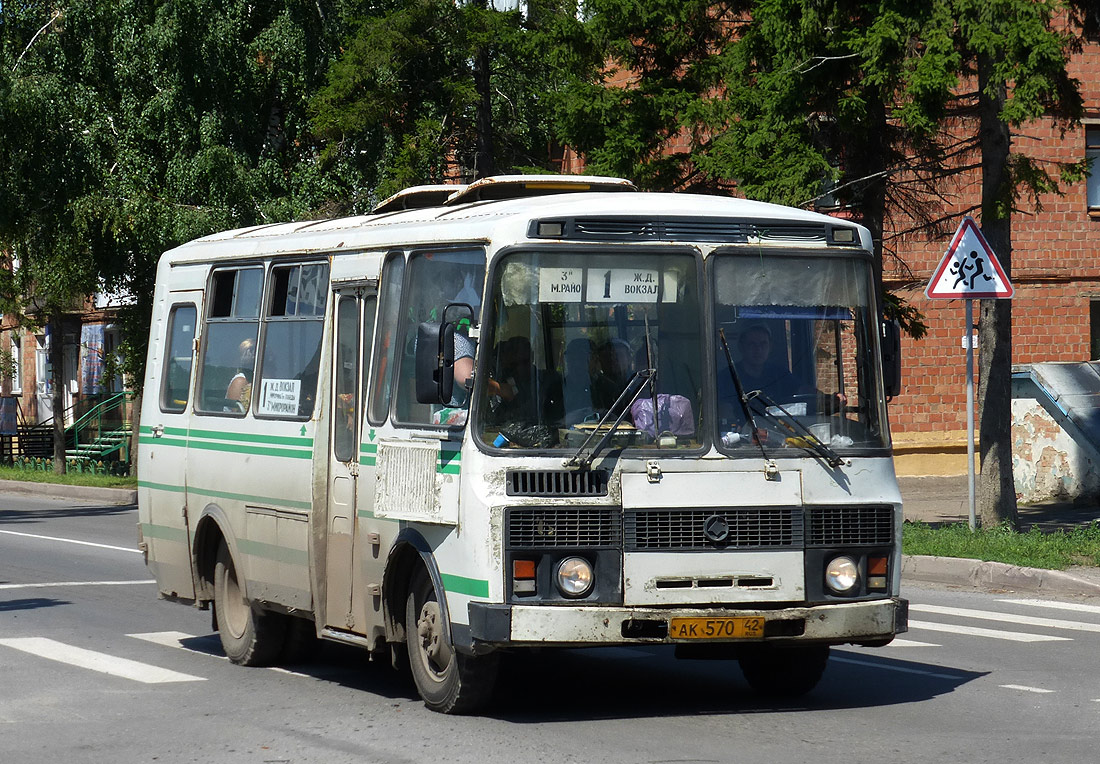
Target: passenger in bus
<point x="580" y="368"/>
<point x="239" y="392"/>
<point x="614" y="373"/>
<point x="524" y="393"/>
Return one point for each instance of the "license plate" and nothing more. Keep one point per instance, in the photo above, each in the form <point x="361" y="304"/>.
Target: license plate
<point x="716" y="628"/>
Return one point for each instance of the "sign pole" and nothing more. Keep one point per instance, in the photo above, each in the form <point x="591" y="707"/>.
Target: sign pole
<point x="970" y="271"/>
<point x="970" y="409"/>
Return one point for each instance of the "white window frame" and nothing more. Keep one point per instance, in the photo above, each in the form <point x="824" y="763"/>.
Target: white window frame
<point x="1092" y="151"/>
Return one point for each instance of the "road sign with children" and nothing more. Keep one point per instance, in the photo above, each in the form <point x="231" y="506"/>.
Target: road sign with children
<point x="969" y="269"/>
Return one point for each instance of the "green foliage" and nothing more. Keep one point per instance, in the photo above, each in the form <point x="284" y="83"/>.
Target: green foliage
<point x="31" y="475"/>
<point x="130" y="127"/>
<point x="401" y="104"/>
<point x="1053" y="551"/>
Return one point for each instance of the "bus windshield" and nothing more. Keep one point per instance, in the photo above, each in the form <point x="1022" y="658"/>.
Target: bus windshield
<point x="800" y="336"/>
<point x="565" y="334"/>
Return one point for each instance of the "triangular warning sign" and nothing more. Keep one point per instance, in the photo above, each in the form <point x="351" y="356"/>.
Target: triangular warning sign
<point x="969" y="269"/>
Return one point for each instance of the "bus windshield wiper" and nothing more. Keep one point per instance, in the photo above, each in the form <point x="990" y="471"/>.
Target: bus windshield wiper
<point x="800" y="435"/>
<point x="743" y="399"/>
<point x="629" y="394"/>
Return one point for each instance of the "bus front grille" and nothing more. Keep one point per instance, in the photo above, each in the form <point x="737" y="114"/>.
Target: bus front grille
<point x="549" y="527"/>
<point x="556" y="483"/>
<point x="845" y="526"/>
<point x="651" y="530"/>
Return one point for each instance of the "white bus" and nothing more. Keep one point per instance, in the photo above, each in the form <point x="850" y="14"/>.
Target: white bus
<point x="528" y="412"/>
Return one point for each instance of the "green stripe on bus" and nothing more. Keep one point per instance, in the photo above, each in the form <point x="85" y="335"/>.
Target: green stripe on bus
<point x="273" y="552"/>
<point x="164" y="533"/>
<point x="240" y="437"/>
<point x="234" y="448"/>
<point x="244" y="437"/>
<point x="472" y="586"/>
<point x="246" y="498"/>
<point x="450" y="469"/>
<point x="162" y="442"/>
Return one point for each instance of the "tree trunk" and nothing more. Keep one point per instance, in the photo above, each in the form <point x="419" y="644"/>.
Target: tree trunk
<point x="484" y="165"/>
<point x="996" y="490"/>
<point x="57" y="378"/>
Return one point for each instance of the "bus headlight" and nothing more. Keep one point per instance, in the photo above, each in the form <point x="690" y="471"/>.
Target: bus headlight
<point x="574" y="577"/>
<point x="842" y="574"/>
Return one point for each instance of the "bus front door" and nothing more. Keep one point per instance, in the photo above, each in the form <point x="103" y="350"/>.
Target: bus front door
<point x="345" y="587"/>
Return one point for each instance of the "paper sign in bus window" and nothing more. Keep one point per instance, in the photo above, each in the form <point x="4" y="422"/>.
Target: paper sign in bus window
<point x="561" y="284"/>
<point x="279" y="397"/>
<point x="623" y="285"/>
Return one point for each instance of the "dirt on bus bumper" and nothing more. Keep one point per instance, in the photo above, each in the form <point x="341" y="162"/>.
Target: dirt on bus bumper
<point x="873" y="622"/>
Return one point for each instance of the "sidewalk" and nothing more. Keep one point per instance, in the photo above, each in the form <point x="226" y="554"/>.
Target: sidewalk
<point x="81" y="493"/>
<point x="937" y="500"/>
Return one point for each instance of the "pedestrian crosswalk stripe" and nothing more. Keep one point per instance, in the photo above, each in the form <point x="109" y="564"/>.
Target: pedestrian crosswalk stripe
<point x="1079" y="607"/>
<point x="1025" y="688"/>
<point x="899" y="642"/>
<point x="1024" y="620"/>
<point x="101" y="662"/>
<point x="974" y="631"/>
<point x="65" y="584"/>
<point x="891" y="667"/>
<point x="176" y="639"/>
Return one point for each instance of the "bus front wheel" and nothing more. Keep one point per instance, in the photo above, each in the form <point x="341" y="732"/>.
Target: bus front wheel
<point x="783" y="672"/>
<point x="449" y="681"/>
<point x="250" y="637"/>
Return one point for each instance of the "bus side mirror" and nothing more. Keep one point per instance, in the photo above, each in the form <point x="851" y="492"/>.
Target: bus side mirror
<point x="435" y="356"/>
<point x="891" y="358"/>
<point x="430" y="363"/>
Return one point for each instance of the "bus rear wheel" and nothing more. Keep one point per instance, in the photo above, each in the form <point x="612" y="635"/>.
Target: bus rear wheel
<point x="783" y="672"/>
<point x="449" y="681"/>
<point x="250" y="637"/>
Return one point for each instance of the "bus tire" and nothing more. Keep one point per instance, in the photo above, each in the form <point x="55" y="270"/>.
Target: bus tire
<point x="448" y="681"/>
<point x="783" y="671"/>
<point x="250" y="637"/>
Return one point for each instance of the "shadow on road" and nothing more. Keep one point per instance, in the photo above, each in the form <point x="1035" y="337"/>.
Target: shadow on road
<point x="31" y="603"/>
<point x="613" y="683"/>
<point x="15" y="516"/>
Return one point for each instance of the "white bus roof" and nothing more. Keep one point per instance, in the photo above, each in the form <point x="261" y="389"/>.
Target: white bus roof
<point x="608" y="217"/>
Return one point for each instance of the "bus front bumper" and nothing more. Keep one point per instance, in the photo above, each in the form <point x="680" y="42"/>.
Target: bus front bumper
<point x="871" y="622"/>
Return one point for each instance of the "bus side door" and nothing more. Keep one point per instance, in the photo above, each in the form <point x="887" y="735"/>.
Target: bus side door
<point x="345" y="586"/>
<point x="163" y="441"/>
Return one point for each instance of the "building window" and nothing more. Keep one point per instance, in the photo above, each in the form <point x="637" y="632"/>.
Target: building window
<point x="16" y="348"/>
<point x="1092" y="152"/>
<point x="1094" y="329"/>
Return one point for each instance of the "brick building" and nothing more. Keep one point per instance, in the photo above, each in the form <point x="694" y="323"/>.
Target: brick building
<point x="1055" y="268"/>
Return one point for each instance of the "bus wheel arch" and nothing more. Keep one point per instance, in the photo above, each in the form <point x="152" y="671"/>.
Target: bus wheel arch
<point x="409" y="553"/>
<point x="209" y="535"/>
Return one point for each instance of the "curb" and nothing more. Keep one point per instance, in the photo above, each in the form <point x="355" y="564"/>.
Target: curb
<point x="997" y="576"/>
<point x="81" y="492"/>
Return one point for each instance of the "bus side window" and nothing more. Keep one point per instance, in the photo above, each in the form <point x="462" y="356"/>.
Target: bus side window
<point x="436" y="279"/>
<point x="176" y="386"/>
<point x="382" y="371"/>
<point x="291" y="353"/>
<point x="232" y="325"/>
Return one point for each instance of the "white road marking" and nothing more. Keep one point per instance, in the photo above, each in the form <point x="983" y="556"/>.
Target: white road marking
<point x="1025" y="688"/>
<point x="74" y="583"/>
<point x="73" y="541"/>
<point x="1079" y="607"/>
<point x="1025" y="620"/>
<point x="888" y="667"/>
<point x="176" y="638"/>
<point x="898" y="642"/>
<point x="101" y="662"/>
<point x="974" y="631"/>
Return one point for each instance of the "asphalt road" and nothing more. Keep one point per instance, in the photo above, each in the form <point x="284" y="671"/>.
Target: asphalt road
<point x="96" y="669"/>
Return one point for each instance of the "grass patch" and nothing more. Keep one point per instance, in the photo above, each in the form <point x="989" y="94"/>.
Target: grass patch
<point x="69" y="478"/>
<point x="1055" y="550"/>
